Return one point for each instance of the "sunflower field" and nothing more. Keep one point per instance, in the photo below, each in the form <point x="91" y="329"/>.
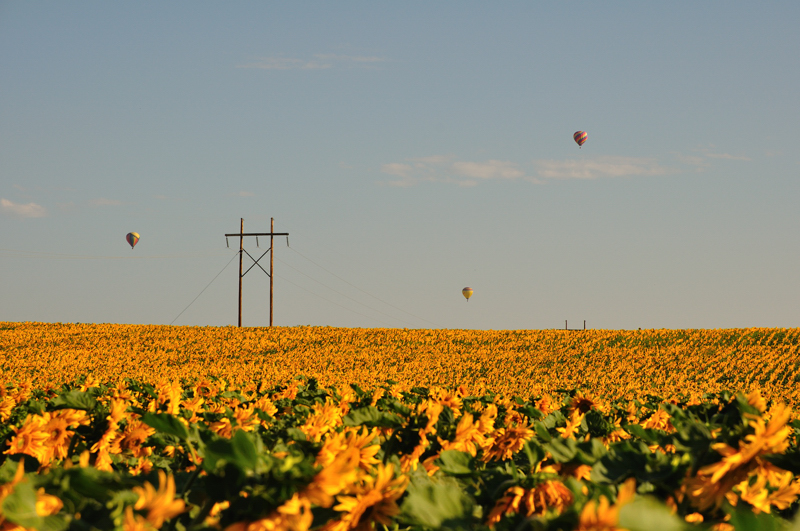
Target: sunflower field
<point x="673" y="364"/>
<point x="145" y="427"/>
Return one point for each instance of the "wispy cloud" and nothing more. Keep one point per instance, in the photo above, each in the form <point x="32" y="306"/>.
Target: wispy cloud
<point x="42" y="189"/>
<point x="364" y="59"/>
<point x="698" y="162"/>
<point x="725" y="156"/>
<point x="493" y="169"/>
<point x="599" y="167"/>
<point x="398" y="169"/>
<point x="29" y="210"/>
<point x="445" y="168"/>
<point x="701" y="158"/>
<point x="316" y="62"/>
<point x="102" y="201"/>
<point x="286" y="63"/>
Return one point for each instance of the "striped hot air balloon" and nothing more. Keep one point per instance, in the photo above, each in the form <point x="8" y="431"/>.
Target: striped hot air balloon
<point x="132" y="238"/>
<point x="467" y="293"/>
<point x="580" y="137"/>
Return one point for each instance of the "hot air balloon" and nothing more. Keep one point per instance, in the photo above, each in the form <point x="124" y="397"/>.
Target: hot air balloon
<point x="132" y="238"/>
<point x="580" y="137"/>
<point x="467" y="293"/>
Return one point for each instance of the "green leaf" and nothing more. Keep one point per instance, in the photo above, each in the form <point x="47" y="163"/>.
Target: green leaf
<point x="795" y="526"/>
<point x="596" y="424"/>
<point x="556" y="418"/>
<point x="119" y="501"/>
<point x="647" y="514"/>
<point x="94" y="484"/>
<point x="648" y="435"/>
<point x="596" y="448"/>
<point x="20" y="506"/>
<point x="238" y="451"/>
<point x="74" y="399"/>
<point x="398" y="407"/>
<point x="436" y="504"/>
<point x="244" y="449"/>
<point x="296" y="434"/>
<point x="166" y="423"/>
<point x="533" y="452"/>
<point x="541" y="431"/>
<point x="456" y="463"/>
<point x="9" y="469"/>
<point x="562" y="450"/>
<point x="745" y="520"/>
<point x="531" y="412"/>
<point x="372" y="417"/>
<point x="53" y="523"/>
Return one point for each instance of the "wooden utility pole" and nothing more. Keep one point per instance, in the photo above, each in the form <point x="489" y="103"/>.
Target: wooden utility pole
<point x="271" y="265"/>
<point x="241" y="234"/>
<point x="241" y="248"/>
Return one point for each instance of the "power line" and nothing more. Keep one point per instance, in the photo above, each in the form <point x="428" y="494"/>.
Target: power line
<point x="344" y="295"/>
<point x="361" y="290"/>
<point x="332" y="302"/>
<point x="57" y="256"/>
<point x="358" y="288"/>
<point x="212" y="281"/>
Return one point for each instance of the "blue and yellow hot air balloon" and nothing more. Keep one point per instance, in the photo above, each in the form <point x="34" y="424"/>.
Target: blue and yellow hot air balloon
<point x="132" y="238"/>
<point x="467" y="293"/>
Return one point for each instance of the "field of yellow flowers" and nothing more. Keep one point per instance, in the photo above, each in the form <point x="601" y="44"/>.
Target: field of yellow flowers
<point x="153" y="427"/>
<point x="609" y="363"/>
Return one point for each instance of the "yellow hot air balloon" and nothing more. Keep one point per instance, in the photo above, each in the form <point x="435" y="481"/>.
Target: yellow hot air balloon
<point x="467" y="293"/>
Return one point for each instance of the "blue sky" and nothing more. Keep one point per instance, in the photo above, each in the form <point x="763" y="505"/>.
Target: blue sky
<point x="410" y="149"/>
